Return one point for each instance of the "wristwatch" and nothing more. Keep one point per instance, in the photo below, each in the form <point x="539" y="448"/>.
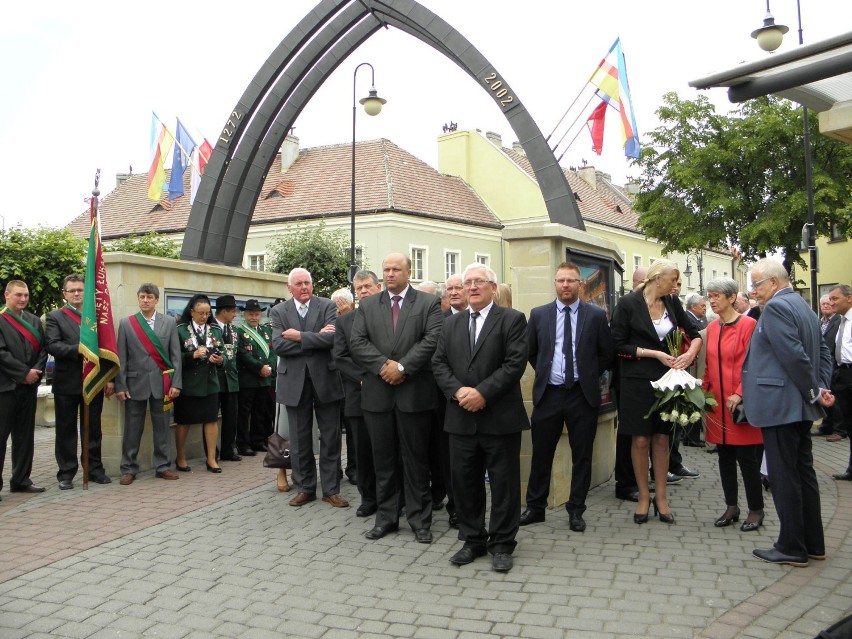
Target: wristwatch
<point x="400" y="367"/>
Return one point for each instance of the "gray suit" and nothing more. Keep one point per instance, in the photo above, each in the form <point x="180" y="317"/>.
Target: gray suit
<point x="308" y="383"/>
<point x="142" y="378"/>
<point x="786" y="365"/>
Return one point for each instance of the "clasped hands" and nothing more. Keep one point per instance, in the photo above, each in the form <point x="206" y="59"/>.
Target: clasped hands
<point x="470" y="399"/>
<point x="391" y="374"/>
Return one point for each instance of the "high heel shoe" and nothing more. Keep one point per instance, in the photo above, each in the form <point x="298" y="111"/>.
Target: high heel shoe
<point x="641" y="518"/>
<point x="666" y="519"/>
<point x="727" y="519"/>
<point x="281" y="481"/>
<point x="213" y="469"/>
<point x="183" y="469"/>
<point x="749" y="526"/>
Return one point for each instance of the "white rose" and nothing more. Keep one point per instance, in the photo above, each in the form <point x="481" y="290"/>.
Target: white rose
<point x="675" y="414"/>
<point x="684" y="420"/>
<point x="665" y="417"/>
<point x="696" y="416"/>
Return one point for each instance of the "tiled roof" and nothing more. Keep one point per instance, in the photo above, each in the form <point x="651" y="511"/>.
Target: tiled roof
<point x="608" y="204"/>
<point x="317" y="184"/>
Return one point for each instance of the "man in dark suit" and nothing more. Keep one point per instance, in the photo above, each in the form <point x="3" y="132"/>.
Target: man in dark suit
<point x="366" y="283"/>
<point x="832" y="425"/>
<point x="478" y="365"/>
<point x="256" y="365"/>
<point x="786" y="374"/>
<point x="303" y="336"/>
<point x="839" y="342"/>
<point x="229" y="378"/>
<point x="150" y="376"/>
<point x="570" y="347"/>
<point x="62" y="335"/>
<point x="22" y="361"/>
<point x="696" y="309"/>
<point x="394" y="336"/>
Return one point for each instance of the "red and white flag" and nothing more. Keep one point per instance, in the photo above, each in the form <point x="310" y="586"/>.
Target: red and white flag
<point x="200" y="158"/>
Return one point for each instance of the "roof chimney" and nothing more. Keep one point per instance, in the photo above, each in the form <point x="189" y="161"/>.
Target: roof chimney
<point x="495" y="138"/>
<point x="289" y="152"/>
<point x="121" y="178"/>
<point x="589" y="174"/>
<point x="632" y="187"/>
<point x="517" y="147"/>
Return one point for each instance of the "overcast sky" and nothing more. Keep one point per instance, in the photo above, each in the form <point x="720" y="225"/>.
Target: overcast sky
<point x="80" y="80"/>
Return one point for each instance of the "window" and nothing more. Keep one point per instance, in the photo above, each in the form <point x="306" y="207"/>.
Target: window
<point x="451" y="263"/>
<point x="637" y="261"/>
<point x="418" y="264"/>
<point x="359" y="254"/>
<point x="715" y="273"/>
<point x="257" y="262"/>
<point x="837" y="234"/>
<point x="483" y="259"/>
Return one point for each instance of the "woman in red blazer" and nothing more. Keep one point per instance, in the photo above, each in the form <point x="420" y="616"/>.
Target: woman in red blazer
<point x="727" y="344"/>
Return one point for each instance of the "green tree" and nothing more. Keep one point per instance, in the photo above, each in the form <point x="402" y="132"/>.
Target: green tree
<point x="41" y="257"/>
<point x="149" y="244"/>
<point x="711" y="180"/>
<point x="324" y="253"/>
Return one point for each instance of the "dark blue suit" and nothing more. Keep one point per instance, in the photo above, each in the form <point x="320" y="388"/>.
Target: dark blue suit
<point x="575" y="407"/>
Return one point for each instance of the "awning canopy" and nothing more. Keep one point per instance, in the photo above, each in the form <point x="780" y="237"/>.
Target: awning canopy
<point x="818" y="76"/>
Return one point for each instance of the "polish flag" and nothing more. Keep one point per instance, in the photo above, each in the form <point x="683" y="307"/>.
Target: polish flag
<point x="200" y="158"/>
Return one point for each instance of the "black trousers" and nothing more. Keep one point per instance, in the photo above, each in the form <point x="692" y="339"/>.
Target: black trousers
<point x="841" y="385"/>
<point x="229" y="407"/>
<point x="560" y="407"/>
<point x="254" y="417"/>
<point x="17" y="418"/>
<point x="396" y="435"/>
<point x="748" y="458"/>
<point x="789" y="459"/>
<point x="362" y="451"/>
<point x="471" y="456"/>
<point x="625" y="478"/>
<point x="69" y="413"/>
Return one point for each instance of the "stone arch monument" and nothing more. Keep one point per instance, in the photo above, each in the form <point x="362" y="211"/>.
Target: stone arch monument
<point x="246" y="147"/>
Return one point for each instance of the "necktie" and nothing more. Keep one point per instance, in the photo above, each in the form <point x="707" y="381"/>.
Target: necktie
<point x="227" y="333"/>
<point x="838" y="345"/>
<point x="303" y="310"/>
<point x="473" y="317"/>
<point x="395" y="310"/>
<point x="568" y="349"/>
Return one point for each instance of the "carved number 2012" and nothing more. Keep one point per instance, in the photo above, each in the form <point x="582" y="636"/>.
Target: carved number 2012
<point x="497" y="87"/>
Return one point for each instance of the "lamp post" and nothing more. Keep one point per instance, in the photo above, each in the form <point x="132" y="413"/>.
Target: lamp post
<point x="769" y="38"/>
<point x="373" y="106"/>
<point x="699" y="259"/>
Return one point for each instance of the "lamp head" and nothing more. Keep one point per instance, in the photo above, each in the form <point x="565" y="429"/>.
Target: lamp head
<point x="373" y="103"/>
<point x="770" y="35"/>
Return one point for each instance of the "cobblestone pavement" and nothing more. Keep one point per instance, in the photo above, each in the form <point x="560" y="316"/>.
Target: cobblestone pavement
<point x="224" y="555"/>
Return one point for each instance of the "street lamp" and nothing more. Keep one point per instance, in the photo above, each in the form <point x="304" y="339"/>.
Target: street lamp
<point x="373" y="106"/>
<point x="769" y="38"/>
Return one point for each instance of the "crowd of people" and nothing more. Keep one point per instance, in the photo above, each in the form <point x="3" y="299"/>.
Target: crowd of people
<point x="426" y="383"/>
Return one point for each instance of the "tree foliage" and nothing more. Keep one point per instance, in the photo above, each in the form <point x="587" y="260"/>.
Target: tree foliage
<point x="149" y="244"/>
<point x="41" y="257"/>
<point x="713" y="180"/>
<point x="325" y="254"/>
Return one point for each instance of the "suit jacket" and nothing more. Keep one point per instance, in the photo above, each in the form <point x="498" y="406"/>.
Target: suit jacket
<point x="17" y="355"/>
<point x="374" y="342"/>
<point x="593" y="352"/>
<point x="229" y="376"/>
<point x="830" y="335"/>
<point x="632" y="329"/>
<point x="139" y="375"/>
<point x="312" y="354"/>
<point x="495" y="368"/>
<point x="62" y="340"/>
<point x="700" y="322"/>
<point x="250" y="358"/>
<point x="200" y="377"/>
<point x="351" y="373"/>
<point x="786" y="364"/>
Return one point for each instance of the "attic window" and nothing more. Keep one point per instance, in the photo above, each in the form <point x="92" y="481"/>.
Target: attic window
<point x="162" y="205"/>
<point x="284" y="188"/>
<point x="577" y="197"/>
<point x="618" y="209"/>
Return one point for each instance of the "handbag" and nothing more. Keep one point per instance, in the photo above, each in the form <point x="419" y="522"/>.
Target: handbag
<point x="278" y="452"/>
<point x="738" y="414"/>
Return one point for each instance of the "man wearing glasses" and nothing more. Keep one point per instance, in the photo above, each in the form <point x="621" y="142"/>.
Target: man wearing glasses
<point x="62" y="334"/>
<point x="570" y="347"/>
<point x="786" y="374"/>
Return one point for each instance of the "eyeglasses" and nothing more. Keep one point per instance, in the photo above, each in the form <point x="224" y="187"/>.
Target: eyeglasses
<point x="754" y="285"/>
<point x="202" y="313"/>
<point x="567" y="280"/>
<point x="478" y="282"/>
<point x="74" y="290"/>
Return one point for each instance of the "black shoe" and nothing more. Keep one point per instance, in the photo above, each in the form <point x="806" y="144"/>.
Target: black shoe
<point x="628" y="496"/>
<point x="502" y="562"/>
<point x="233" y="457"/>
<point x="423" y="536"/>
<point x="31" y="488"/>
<point x="728" y="517"/>
<point x="749" y="526"/>
<point x="102" y="479"/>
<point x="66" y="484"/>
<point x="183" y="469"/>
<point x="671" y="478"/>
<point x="531" y="517"/>
<point x="773" y="556"/>
<point x="213" y="469"/>
<point x="365" y="510"/>
<point x="247" y="452"/>
<point x="683" y="471"/>
<point x="576" y="522"/>
<point x="467" y="555"/>
<point x="666" y="519"/>
<point x="380" y="531"/>
<point x="847" y="476"/>
<point x="454" y="520"/>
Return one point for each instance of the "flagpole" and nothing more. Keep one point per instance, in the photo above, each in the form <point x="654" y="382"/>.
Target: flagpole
<point x="564" y="135"/>
<point x="85" y="443"/>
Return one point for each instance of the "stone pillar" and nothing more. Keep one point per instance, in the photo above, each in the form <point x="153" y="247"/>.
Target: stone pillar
<point x="533" y="251"/>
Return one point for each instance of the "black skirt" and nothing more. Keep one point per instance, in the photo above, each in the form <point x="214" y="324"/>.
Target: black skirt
<point x="635" y="398"/>
<point x="196" y="410"/>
